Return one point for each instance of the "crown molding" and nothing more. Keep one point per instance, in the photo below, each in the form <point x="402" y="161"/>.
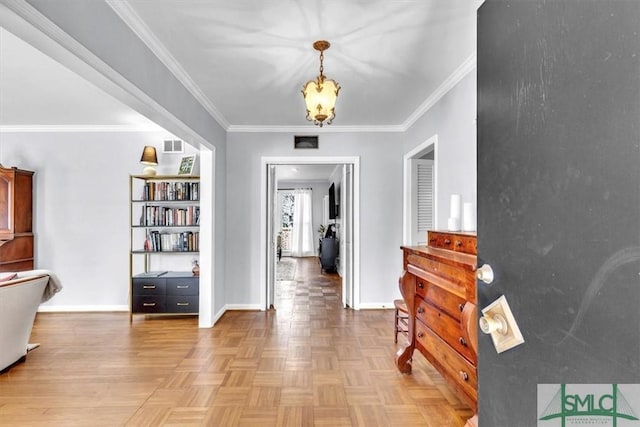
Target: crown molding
<point x="129" y="16"/>
<point x="80" y="128"/>
<point x="314" y="129"/>
<point x="465" y="68"/>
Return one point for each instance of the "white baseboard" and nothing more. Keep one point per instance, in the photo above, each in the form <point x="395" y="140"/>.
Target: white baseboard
<point x="219" y="314"/>
<point x="81" y="308"/>
<point x="252" y="307"/>
<point x="376" y="305"/>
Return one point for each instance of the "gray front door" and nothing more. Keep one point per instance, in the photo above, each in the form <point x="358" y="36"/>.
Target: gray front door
<point x="559" y="197"/>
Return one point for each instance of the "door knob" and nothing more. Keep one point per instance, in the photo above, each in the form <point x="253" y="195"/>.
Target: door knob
<point x="498" y="321"/>
<point x="485" y="274"/>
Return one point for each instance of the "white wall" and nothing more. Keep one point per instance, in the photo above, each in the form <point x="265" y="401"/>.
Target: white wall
<point x="453" y="119"/>
<point x="81" y="208"/>
<point x="380" y="205"/>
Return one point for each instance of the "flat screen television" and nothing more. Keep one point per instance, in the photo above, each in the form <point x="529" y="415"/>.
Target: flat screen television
<point x="333" y="212"/>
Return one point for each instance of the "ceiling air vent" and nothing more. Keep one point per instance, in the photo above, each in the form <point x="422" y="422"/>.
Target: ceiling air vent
<point x="173" y="146"/>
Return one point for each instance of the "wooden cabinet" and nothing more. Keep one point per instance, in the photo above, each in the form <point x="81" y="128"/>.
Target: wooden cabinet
<point x="16" y="207"/>
<point x="164" y="226"/>
<point x="439" y="288"/>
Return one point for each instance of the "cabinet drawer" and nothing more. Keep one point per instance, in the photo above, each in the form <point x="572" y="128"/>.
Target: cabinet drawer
<point x="447" y="328"/>
<point x="454" y="242"/>
<point x="448" y="302"/>
<point x="182" y="286"/>
<point x="151" y="286"/>
<point x="459" y="371"/>
<point x="452" y="278"/>
<point x="182" y="304"/>
<point x="148" y="304"/>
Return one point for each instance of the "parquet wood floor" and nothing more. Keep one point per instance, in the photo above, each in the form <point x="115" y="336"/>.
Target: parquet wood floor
<point x="308" y="363"/>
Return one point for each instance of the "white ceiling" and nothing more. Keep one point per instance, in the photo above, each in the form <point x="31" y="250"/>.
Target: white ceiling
<point x="246" y="60"/>
<point x="36" y="91"/>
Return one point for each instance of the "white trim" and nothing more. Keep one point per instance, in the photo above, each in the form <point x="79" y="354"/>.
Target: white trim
<point x="243" y="307"/>
<point x="124" y="10"/>
<point x="265" y="161"/>
<point x="81" y="308"/>
<point x="81" y="128"/>
<point x="465" y="68"/>
<point x="207" y="257"/>
<point x="315" y="129"/>
<point x="219" y="314"/>
<point x="406" y="193"/>
<point x="377" y="306"/>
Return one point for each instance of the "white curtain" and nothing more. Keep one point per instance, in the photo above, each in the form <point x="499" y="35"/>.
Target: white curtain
<point x="302" y="233"/>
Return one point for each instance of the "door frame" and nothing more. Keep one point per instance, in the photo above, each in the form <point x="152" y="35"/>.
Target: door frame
<point x="265" y="162"/>
<point x="407" y="208"/>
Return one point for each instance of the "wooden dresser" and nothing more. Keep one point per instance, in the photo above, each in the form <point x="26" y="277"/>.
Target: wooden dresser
<point x="16" y="234"/>
<point x="439" y="287"/>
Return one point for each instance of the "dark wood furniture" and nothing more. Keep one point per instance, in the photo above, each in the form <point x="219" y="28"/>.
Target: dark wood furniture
<point x="439" y="288"/>
<point x="16" y="207"/>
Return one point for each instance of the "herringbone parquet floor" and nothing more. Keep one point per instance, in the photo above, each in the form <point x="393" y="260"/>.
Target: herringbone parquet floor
<point x="308" y="363"/>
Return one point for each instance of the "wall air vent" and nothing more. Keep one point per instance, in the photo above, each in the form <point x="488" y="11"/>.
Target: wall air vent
<point x="173" y="146"/>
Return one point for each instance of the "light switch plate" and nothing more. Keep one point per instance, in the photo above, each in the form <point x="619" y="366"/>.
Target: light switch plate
<point x="497" y="317"/>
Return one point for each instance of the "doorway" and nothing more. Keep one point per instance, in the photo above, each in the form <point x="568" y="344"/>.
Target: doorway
<point x="349" y="244"/>
<point x="420" y="192"/>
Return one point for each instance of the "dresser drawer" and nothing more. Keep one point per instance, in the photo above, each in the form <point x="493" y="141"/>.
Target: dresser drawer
<point x="182" y="304"/>
<point x="149" y="286"/>
<point x="459" y="371"/>
<point x="182" y="286"/>
<point x="448" y="302"/>
<point x="453" y="241"/>
<point x="447" y="328"/>
<point x="148" y="304"/>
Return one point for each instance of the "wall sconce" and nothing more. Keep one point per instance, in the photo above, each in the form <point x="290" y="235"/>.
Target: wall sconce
<point x="150" y="159"/>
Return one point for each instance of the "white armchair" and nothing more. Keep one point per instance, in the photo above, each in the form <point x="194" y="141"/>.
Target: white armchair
<point x="19" y="301"/>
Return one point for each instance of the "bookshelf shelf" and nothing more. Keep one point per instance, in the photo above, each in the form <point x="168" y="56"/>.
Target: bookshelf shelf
<point x="164" y="241"/>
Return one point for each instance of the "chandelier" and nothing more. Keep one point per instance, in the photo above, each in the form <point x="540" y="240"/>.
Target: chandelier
<point x="320" y="94"/>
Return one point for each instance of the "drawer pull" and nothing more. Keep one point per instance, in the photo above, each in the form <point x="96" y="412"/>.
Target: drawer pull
<point x="462" y="342"/>
<point x="148" y="304"/>
<point x="420" y="334"/>
<point x="461" y="307"/>
<point x="182" y="287"/>
<point x="463" y="376"/>
<point x="458" y="242"/>
<point x="447" y="241"/>
<point x="420" y="310"/>
<point x="182" y="304"/>
<point x="149" y="287"/>
<point x="421" y="285"/>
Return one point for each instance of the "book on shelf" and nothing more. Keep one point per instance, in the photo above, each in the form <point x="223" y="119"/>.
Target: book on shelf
<point x="171" y="190"/>
<point x="186" y="241"/>
<point x="158" y="215"/>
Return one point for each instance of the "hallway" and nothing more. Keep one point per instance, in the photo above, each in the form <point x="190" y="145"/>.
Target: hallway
<point x="308" y="363"/>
